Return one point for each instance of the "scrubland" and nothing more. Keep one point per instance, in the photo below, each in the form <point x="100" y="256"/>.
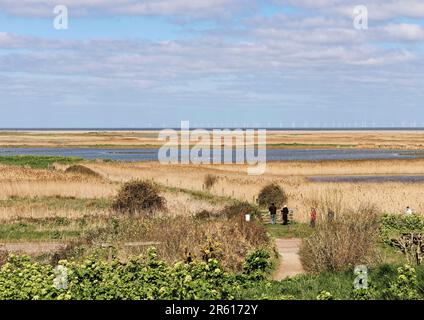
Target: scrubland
<point x="232" y="181"/>
<point x="203" y="218"/>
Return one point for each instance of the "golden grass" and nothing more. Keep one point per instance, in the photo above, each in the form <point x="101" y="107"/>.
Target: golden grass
<point x="38" y="183"/>
<point x="292" y="176"/>
<point x="232" y="182"/>
<point x="280" y="139"/>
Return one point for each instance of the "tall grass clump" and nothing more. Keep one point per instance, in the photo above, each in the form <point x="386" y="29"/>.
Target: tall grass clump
<point x="271" y="193"/>
<point x="138" y="196"/>
<point x="348" y="240"/>
<point x="177" y="238"/>
<point x="80" y="169"/>
<point x="210" y="181"/>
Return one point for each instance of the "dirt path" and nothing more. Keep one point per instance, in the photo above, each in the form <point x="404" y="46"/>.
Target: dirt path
<point x="32" y="247"/>
<point x="290" y="264"/>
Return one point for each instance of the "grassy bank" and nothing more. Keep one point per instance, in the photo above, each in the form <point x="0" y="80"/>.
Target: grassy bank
<point x="37" y="162"/>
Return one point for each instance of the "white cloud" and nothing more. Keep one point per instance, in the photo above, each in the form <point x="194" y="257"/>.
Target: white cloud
<point x="301" y="58"/>
<point x="404" y="31"/>
<point x="197" y="8"/>
<point x="378" y="9"/>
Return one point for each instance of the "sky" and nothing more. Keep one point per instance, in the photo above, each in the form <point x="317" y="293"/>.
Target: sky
<point x="216" y="63"/>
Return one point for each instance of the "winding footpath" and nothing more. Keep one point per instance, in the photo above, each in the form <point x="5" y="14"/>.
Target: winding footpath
<point x="290" y="264"/>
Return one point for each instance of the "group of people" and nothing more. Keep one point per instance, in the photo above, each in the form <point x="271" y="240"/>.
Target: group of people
<point x="284" y="212"/>
<point x="313" y="215"/>
<point x="285" y="215"/>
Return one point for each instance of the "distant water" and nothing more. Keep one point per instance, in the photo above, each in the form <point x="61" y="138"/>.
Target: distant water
<point x="272" y="154"/>
<point x="361" y="179"/>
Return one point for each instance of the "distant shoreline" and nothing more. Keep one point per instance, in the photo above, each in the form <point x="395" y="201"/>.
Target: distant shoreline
<point x="300" y="129"/>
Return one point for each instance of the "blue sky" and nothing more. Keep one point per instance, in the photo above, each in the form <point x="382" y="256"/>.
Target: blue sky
<point x="137" y="63"/>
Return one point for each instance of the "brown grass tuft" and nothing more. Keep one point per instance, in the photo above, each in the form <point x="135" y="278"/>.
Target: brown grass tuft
<point x="80" y="169"/>
<point x="347" y="241"/>
<point x="210" y="181"/>
<point x="138" y="196"/>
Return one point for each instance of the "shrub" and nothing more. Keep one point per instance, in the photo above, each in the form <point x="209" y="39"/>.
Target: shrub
<point x="205" y="215"/>
<point x="345" y="242"/>
<point x="325" y="295"/>
<point x="239" y="209"/>
<point x="258" y="261"/>
<point x="177" y="236"/>
<point x="210" y="181"/>
<point x="140" y="278"/>
<point x="271" y="193"/>
<point x="406" y="285"/>
<point x="138" y="196"/>
<point x="394" y="225"/>
<point x="79" y="169"/>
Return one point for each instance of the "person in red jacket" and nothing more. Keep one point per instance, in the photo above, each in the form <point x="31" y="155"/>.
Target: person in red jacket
<point x="313" y="217"/>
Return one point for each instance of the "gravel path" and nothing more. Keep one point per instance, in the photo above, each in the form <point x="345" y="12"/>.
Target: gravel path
<point x="32" y="247"/>
<point x="290" y="264"/>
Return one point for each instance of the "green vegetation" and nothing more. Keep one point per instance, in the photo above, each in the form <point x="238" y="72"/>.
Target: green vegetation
<point x="27" y="231"/>
<point x="140" y="278"/>
<point x="292" y="230"/>
<point x="56" y="203"/>
<point x="392" y="226"/>
<point x="38" y="162"/>
<point x="386" y="282"/>
<point x="147" y="277"/>
<point x="47" y="229"/>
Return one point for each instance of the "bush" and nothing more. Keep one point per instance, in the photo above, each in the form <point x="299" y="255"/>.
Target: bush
<point x="138" y="196"/>
<point x="210" y="181"/>
<point x="79" y="169"/>
<point x="325" y="295"/>
<point x="271" y="193"/>
<point x="239" y="209"/>
<point x="258" y="261"/>
<point x="406" y="285"/>
<point x="345" y="242"/>
<point x="395" y="225"/>
<point x="140" y="278"/>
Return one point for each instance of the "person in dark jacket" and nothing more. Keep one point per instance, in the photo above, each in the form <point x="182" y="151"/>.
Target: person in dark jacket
<point x="285" y="212"/>
<point x="273" y="213"/>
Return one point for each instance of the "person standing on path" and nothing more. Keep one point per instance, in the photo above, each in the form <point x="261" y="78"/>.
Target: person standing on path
<point x="273" y="212"/>
<point x="313" y="217"/>
<point x="285" y="212"/>
<point x="408" y="211"/>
